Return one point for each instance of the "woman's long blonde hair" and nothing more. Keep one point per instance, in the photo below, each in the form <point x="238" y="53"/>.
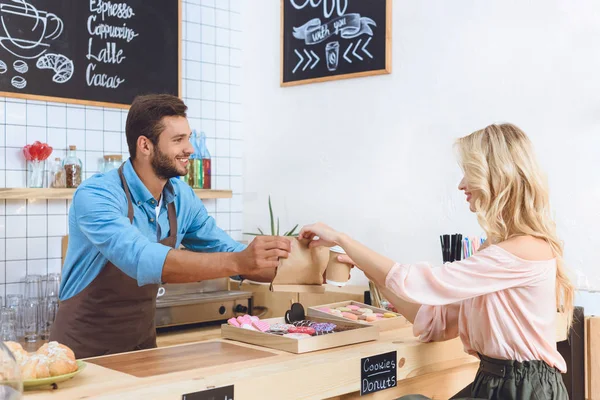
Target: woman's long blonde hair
<point x="512" y="194"/>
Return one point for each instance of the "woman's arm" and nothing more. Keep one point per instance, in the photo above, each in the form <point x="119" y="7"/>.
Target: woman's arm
<point x="488" y="271"/>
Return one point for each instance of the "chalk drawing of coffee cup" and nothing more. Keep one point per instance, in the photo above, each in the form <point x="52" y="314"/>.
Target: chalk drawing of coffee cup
<point x="332" y="52"/>
<point x="25" y="31"/>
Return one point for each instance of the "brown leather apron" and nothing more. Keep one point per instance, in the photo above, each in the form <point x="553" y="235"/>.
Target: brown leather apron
<point x="112" y="314"/>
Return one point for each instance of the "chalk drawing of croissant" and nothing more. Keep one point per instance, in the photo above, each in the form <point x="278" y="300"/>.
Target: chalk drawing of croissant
<point x="25" y="31"/>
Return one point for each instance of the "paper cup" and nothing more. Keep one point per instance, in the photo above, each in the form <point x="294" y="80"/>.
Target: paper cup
<point x="337" y="273"/>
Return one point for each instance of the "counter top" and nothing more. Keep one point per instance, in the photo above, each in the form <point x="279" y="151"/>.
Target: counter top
<point x="196" y="359"/>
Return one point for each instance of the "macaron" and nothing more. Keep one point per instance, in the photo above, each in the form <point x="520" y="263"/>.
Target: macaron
<point x="336" y="312"/>
<point x="371" y="318"/>
<point x="344" y="309"/>
<point x="351" y="316"/>
<point x="368" y="311"/>
<point x="362" y="317"/>
<point x="389" y="315"/>
<point x="353" y="307"/>
<point x="378" y="314"/>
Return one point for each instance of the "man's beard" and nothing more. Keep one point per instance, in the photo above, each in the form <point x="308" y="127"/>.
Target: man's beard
<point x="163" y="166"/>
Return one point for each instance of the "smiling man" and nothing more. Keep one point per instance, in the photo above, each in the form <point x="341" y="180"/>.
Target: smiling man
<point x="125" y="230"/>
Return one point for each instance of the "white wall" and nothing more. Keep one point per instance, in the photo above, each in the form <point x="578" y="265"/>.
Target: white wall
<point x="31" y="231"/>
<point x="373" y="156"/>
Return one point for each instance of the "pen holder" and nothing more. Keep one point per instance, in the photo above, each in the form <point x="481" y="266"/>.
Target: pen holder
<point x="451" y="247"/>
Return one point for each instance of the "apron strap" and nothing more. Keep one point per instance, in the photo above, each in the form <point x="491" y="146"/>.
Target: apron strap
<point x="172" y="214"/>
<point x="126" y="189"/>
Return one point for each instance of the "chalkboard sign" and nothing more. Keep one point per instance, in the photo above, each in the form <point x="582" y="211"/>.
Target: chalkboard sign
<point x="378" y="372"/>
<point x="222" y="393"/>
<point x="94" y="52"/>
<point x="333" y="39"/>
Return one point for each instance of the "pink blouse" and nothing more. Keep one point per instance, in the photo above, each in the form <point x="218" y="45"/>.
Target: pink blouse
<point x="500" y="305"/>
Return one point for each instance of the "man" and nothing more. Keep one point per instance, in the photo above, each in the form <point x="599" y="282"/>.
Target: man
<point x="125" y="228"/>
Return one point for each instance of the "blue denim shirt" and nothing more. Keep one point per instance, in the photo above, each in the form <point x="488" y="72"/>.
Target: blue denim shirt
<point x="99" y="230"/>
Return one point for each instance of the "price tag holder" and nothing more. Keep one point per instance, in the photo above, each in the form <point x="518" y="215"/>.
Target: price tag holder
<point x="222" y="393"/>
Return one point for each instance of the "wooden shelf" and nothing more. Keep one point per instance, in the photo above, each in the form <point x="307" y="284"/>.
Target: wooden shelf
<point x="51" y="193"/>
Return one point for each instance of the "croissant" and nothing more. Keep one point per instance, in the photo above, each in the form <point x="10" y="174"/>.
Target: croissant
<point x="36" y="367"/>
<point x="61" y="65"/>
<point x="17" y="350"/>
<point x="62" y="358"/>
<point x="51" y="359"/>
<point x="52" y="349"/>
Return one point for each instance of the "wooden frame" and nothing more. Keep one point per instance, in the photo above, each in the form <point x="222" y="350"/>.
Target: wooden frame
<point x="93" y="103"/>
<point x="388" y="54"/>
<point x="362" y="333"/>
<point x="386" y="324"/>
<point x="67" y="194"/>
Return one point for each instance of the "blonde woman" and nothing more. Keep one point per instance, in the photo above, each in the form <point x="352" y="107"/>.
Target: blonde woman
<point x="502" y="301"/>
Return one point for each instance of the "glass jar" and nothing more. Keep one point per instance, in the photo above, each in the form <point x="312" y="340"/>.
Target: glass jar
<point x="110" y="162"/>
<point x="57" y="174"/>
<point x="73" y="168"/>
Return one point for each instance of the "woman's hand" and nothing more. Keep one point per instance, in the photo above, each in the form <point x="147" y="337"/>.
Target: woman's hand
<point x="326" y="236"/>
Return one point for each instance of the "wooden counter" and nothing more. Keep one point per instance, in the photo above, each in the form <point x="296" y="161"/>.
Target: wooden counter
<point x="194" y="360"/>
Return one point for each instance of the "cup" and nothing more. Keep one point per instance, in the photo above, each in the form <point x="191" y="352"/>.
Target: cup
<point x="337" y="273"/>
<point x="16" y="302"/>
<point x="26" y="25"/>
<point x="52" y="285"/>
<point x="31" y="319"/>
<point x="332" y="53"/>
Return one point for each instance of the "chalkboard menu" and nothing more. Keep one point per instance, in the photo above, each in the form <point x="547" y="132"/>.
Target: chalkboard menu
<point x="95" y="52"/>
<point x="333" y="39"/>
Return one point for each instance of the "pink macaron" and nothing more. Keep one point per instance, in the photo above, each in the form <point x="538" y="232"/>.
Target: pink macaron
<point x="351" y="316"/>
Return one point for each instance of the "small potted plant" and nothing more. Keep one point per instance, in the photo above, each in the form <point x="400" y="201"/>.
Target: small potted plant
<point x="274" y="229"/>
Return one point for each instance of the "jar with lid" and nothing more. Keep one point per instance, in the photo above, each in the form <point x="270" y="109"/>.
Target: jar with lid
<point x="57" y="174"/>
<point x="111" y="161"/>
<point x="73" y="168"/>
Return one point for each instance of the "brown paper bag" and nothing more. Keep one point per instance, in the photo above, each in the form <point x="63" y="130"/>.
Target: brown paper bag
<point x="303" y="270"/>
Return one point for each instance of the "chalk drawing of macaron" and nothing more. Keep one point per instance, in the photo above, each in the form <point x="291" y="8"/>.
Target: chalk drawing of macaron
<point x="3" y="67"/>
<point x="19" y="82"/>
<point x="21" y="66"/>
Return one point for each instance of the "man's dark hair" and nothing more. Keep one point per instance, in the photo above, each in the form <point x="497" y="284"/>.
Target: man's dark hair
<point x="145" y="117"/>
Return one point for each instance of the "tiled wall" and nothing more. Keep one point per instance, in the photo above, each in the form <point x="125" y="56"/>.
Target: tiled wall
<point x="31" y="231"/>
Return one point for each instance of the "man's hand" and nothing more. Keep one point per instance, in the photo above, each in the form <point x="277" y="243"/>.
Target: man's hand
<point x="263" y="252"/>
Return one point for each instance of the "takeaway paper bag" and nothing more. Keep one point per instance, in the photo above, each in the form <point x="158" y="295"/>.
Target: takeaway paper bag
<point x="303" y="270"/>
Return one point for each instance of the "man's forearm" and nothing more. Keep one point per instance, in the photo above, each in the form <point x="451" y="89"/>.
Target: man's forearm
<point x="183" y="266"/>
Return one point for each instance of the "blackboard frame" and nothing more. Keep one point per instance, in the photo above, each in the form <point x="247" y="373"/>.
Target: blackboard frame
<point x="27" y="96"/>
<point x="388" y="54"/>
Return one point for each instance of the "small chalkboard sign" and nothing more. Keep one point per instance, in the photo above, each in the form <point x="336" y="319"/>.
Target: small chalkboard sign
<point x="333" y="39"/>
<point x="222" y="393"/>
<point x="92" y="52"/>
<point x="378" y="373"/>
